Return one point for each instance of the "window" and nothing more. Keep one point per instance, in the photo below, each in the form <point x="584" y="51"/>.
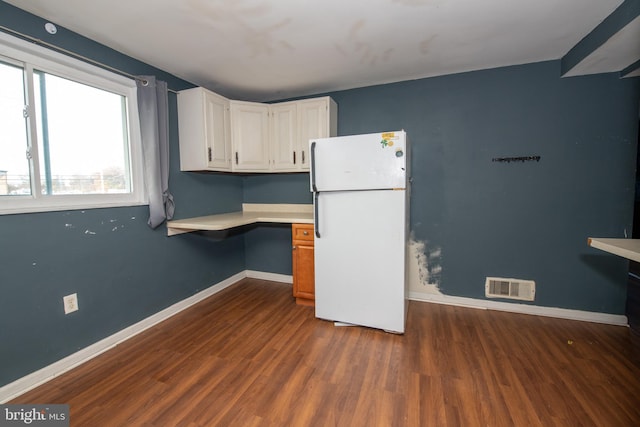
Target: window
<point x="69" y="134"/>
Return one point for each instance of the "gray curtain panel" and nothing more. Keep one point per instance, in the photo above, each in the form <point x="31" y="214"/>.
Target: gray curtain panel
<point x="153" y="109"/>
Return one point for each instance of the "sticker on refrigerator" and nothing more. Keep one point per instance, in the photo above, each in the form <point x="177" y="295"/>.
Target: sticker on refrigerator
<point x="387" y="139"/>
<point x="386" y="143"/>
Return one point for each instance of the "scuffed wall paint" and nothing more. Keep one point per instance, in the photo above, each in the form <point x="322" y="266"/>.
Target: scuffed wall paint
<point x="90" y="231"/>
<point x="424" y="267"/>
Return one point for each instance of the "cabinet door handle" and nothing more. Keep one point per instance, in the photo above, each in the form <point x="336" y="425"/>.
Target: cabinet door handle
<point x="236" y="157"/>
<point x="303" y="157"/>
<point x="294" y="248"/>
<point x="294" y="157"/>
<point x="210" y="155"/>
<point x="305" y="233"/>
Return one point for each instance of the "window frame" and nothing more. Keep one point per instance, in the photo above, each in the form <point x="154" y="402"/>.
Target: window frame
<point x="31" y="56"/>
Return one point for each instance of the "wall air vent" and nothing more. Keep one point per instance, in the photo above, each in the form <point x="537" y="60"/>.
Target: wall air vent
<point x="498" y="287"/>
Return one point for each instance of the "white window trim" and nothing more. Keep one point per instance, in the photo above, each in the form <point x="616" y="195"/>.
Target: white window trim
<point x="65" y="66"/>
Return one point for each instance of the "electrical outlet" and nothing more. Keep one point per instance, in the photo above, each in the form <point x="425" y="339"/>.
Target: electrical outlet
<point x="70" y="303"/>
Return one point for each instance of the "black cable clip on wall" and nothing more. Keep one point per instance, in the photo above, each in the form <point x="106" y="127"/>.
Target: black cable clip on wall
<point x="516" y="159"/>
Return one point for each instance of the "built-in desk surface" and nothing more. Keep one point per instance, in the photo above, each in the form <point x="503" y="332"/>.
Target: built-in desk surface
<point x="627" y="248"/>
<point x="251" y="213"/>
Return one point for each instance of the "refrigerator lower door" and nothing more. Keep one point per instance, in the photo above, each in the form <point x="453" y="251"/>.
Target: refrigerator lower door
<point x="360" y="258"/>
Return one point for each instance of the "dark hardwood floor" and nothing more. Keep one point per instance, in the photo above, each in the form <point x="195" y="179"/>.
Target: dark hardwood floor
<point x="249" y="356"/>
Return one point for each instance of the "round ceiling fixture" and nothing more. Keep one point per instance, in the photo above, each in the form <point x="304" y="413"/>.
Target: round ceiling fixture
<point x="51" y="29"/>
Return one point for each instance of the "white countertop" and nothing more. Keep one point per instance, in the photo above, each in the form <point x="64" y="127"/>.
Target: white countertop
<point x="251" y="213"/>
<point x="627" y="248"/>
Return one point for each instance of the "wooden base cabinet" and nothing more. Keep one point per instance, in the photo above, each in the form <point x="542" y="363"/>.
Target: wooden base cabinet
<point x="303" y="270"/>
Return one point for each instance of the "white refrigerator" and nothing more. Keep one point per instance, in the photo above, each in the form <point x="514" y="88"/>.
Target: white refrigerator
<point x="361" y="209"/>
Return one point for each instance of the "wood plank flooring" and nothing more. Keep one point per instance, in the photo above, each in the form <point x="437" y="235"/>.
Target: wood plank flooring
<point x="249" y="356"/>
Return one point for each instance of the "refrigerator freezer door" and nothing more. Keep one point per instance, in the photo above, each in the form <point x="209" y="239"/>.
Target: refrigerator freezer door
<point x="360" y="258"/>
<point x="359" y="162"/>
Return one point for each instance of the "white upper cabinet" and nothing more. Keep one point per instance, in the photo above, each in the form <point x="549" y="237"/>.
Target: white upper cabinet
<point x="203" y="126"/>
<point x="250" y="136"/>
<point x="293" y="124"/>
<point x="317" y="118"/>
<point x="284" y="137"/>
<point x="236" y="136"/>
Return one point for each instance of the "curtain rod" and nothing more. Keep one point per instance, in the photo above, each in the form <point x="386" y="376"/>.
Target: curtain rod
<point x="74" y="55"/>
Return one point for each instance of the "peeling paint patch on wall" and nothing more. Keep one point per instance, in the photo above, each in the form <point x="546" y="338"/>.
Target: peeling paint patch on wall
<point x="115" y="225"/>
<point x="424" y="267"/>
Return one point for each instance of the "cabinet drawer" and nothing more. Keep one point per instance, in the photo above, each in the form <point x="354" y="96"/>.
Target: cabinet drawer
<point x="302" y="232"/>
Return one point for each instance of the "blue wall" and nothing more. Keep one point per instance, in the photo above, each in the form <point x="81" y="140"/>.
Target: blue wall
<point x="121" y="269"/>
<point x="525" y="220"/>
<point x="268" y="248"/>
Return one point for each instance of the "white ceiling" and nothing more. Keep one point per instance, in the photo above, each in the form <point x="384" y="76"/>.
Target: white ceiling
<point x="272" y="49"/>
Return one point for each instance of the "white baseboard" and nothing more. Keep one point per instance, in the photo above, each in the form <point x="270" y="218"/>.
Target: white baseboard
<point x="274" y="277"/>
<point x="562" y="313"/>
<point x="28" y="382"/>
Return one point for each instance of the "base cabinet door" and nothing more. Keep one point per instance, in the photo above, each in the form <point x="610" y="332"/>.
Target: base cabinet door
<point x="303" y="264"/>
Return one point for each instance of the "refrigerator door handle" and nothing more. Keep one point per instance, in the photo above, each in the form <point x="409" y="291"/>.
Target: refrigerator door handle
<point x="313" y="168"/>
<point x="316" y="220"/>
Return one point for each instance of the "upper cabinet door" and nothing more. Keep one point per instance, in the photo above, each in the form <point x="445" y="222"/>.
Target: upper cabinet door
<point x="217" y="131"/>
<point x="250" y="136"/>
<point x="203" y="126"/>
<point x="317" y="118"/>
<point x="284" y="137"/>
